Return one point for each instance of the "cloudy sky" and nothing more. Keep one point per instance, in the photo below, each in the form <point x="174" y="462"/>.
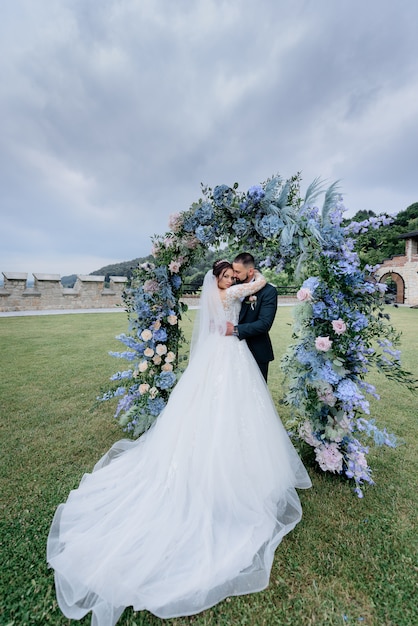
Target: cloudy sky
<point x="114" y="111"/>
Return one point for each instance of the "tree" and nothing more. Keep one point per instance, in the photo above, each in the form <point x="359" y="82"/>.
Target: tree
<point x="374" y="246"/>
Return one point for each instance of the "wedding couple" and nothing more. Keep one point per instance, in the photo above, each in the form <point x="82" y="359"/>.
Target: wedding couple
<point x="193" y="511"/>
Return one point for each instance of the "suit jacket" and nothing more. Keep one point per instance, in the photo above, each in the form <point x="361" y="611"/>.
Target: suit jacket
<point x="254" y="324"/>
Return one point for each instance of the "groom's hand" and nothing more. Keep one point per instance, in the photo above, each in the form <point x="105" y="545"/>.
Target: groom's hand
<point x="229" y="328"/>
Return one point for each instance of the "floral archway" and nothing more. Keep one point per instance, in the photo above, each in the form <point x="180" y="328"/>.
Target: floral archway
<point x="340" y="329"/>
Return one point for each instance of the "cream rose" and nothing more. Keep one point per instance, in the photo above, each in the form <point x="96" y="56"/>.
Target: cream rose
<point x="161" y="349"/>
<point x="146" y="335"/>
<point x="143" y="366"/>
<point x="149" y="352"/>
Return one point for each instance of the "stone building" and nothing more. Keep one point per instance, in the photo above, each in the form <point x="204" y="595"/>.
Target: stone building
<point x="402" y="269"/>
<point x="48" y="293"/>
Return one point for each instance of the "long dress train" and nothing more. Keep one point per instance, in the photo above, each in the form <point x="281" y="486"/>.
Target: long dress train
<point x="193" y="511"/>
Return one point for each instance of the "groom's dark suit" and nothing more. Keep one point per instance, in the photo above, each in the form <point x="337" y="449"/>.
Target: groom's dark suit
<point x="255" y="322"/>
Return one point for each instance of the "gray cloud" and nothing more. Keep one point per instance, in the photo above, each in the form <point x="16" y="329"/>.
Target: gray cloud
<point x="113" y="117"/>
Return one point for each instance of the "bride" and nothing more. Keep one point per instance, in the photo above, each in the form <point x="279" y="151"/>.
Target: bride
<point x="193" y="511"/>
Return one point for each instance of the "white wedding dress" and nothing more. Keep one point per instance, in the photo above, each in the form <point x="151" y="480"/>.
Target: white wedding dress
<point x="193" y="511"/>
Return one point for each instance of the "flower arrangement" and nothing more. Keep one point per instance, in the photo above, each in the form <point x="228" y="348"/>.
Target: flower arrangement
<point x="252" y="301"/>
<point x="341" y="330"/>
<point x="340" y="327"/>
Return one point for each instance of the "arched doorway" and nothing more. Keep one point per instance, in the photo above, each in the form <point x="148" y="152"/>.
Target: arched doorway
<point x="396" y="287"/>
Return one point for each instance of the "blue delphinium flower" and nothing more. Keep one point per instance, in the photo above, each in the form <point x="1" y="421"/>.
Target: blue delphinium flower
<point x="121" y="375"/>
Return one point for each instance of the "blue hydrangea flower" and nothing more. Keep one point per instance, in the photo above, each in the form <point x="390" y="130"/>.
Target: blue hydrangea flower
<point x="160" y="334"/>
<point x="204" y="214"/>
<point x="165" y="380"/>
<point x="311" y="283"/>
<point x="223" y="195"/>
<point x="240" y="227"/>
<point x="256" y="193"/>
<point x="155" y="406"/>
<point x="205" y="234"/>
<point x="269" y="226"/>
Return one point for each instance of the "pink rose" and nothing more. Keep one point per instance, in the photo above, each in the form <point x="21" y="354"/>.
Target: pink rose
<point x="304" y="294"/>
<point x="339" y="326"/>
<point x="323" y="344"/>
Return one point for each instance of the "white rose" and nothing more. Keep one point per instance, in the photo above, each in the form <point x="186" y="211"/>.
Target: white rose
<point x="161" y="349"/>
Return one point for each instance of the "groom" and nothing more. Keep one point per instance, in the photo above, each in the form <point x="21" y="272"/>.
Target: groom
<point x="257" y="314"/>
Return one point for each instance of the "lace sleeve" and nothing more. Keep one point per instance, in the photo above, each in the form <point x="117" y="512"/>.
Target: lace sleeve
<point x="247" y="289"/>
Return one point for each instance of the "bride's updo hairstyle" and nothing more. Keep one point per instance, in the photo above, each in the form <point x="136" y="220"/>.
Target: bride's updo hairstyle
<point x="220" y="266"/>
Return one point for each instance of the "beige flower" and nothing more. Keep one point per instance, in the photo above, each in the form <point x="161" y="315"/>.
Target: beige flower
<point x="146" y="335"/>
<point x="167" y="367"/>
<point x="156" y="325"/>
<point x="157" y="359"/>
<point x="143" y="366"/>
<point x="161" y="349"/>
<point x="170" y="357"/>
<point x="149" y="352"/>
<point x="143" y="388"/>
<point x="153" y="392"/>
<point x="172" y="320"/>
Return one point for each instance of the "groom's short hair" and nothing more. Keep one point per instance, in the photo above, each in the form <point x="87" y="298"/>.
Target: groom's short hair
<point x="246" y="259"/>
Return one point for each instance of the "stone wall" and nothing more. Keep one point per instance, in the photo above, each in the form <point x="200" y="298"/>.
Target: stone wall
<point x="47" y="293"/>
<point x="403" y="270"/>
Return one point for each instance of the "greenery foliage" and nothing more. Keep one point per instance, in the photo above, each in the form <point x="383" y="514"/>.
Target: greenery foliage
<point x="375" y="246"/>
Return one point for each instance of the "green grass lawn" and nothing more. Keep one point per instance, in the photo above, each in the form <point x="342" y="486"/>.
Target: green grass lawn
<point x="349" y="561"/>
